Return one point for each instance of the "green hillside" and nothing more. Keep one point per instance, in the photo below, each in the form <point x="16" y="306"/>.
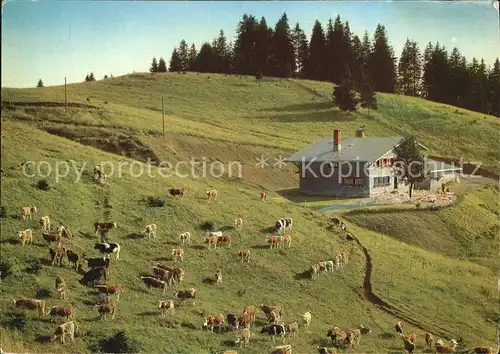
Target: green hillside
<point x="231" y="118"/>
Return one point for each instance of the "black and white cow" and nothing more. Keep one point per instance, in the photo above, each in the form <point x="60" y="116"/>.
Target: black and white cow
<point x="283" y="225"/>
<point x="108" y="248"/>
<point x="274" y="330"/>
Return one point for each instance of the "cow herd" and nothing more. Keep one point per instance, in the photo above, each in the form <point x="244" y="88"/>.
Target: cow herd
<point x="164" y="275"/>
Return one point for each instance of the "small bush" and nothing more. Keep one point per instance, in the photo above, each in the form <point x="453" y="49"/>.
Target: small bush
<point x="17" y="321"/>
<point x="259" y="76"/>
<point x="119" y="343"/>
<point x="5" y="269"/>
<point x="154" y="202"/>
<point x="43" y="185"/>
<point x="34" y="267"/>
<point x="207" y="226"/>
<point x="3" y="211"/>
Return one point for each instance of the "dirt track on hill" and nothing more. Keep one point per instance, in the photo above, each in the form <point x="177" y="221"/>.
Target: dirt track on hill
<point x="385" y="306"/>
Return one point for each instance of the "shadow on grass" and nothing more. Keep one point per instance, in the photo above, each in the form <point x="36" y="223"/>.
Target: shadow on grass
<point x="86" y="234"/>
<point x="260" y="247"/>
<point x="268" y="230"/>
<point x="46" y="262"/>
<point x="198" y="247"/>
<point x="172" y="243"/>
<point x="135" y="235"/>
<point x="43" y="293"/>
<point x="228" y="343"/>
<point x="89" y="303"/>
<point x="43" y="339"/>
<point x="163" y="259"/>
<point x="226" y="228"/>
<point x="209" y="281"/>
<point x="304" y="275"/>
<point x="189" y="325"/>
<point x="386" y="336"/>
<point x="11" y="241"/>
<point x="300" y="107"/>
<point x="148" y="313"/>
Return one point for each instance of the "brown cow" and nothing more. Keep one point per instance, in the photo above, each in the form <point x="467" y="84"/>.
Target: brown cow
<point x="28" y="212"/>
<point x="67" y="328"/>
<point x="52" y="237"/>
<point x="26" y="236"/>
<point x="111" y="289"/>
<point x="482" y="350"/>
<point x="166" y="306"/>
<point x="244" y="336"/>
<point x="184" y="295"/>
<point x="285" y="241"/>
<point x="177" y="191"/>
<point x="263" y="196"/>
<point x="251" y="311"/>
<point x="57" y="255"/>
<point x="178" y="253"/>
<point x="218" y="277"/>
<point x="272" y="241"/>
<point x="61" y="311"/>
<point x="214" y="320"/>
<point x="104" y="309"/>
<point x="31" y="304"/>
<point x="224" y="240"/>
<point x="211" y="193"/>
<point x="292" y="329"/>
<point x="244" y="255"/>
<point x="154" y="283"/>
<point x="212" y="241"/>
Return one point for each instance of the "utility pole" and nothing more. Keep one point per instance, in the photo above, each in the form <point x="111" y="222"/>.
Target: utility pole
<point x="65" y="96"/>
<point x="163" y="116"/>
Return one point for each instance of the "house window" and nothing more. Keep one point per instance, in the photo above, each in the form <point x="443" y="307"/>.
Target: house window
<point x="359" y="181"/>
<point x="353" y="182"/>
<point x="381" y="181"/>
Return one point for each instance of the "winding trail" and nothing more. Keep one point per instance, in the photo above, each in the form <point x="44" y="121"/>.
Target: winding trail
<point x="385" y="306"/>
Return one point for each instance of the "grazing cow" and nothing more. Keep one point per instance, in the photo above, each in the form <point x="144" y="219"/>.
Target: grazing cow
<point x="185" y="237"/>
<point x="345" y="257"/>
<point x="45" y="223"/>
<point x="176" y="273"/>
<point x="306" y="318"/>
<point x="482" y="350"/>
<point x="250" y="311"/>
<point x="178" y="253"/>
<point x="325" y="350"/>
<point x="282" y="349"/>
<point x="409" y="345"/>
<point x="224" y="240"/>
<point x="184" y="295"/>
<point x="212" y="321"/>
<point x="238" y="222"/>
<point x="150" y="230"/>
<point x="57" y="255"/>
<point x="211" y="193"/>
<point x="61" y="311"/>
<point x="244" y="336"/>
<point x="353" y="337"/>
<point x="52" y="237"/>
<point x="98" y="262"/>
<point x="292" y="329"/>
<point x="213" y="233"/>
<point x="111" y="289"/>
<point x="61" y="287"/>
<point x="285" y="241"/>
<point x="65" y="329"/>
<point x="343" y="226"/>
<point x="212" y="241"/>
<point x="104" y="226"/>
<point x="441" y="348"/>
<point x="108" y="248"/>
<point x="429" y="339"/>
<point x="232" y="321"/>
<point x="245" y="320"/>
<point x="177" y="191"/>
<point x="274" y="330"/>
<point x="75" y="258"/>
<point x="93" y="276"/>
<point x="411" y="337"/>
<point x="328" y="265"/>
<point x="263" y="196"/>
<point x="218" y="277"/>
<point x="244" y="255"/>
<point x="268" y="309"/>
<point x="104" y="309"/>
<point x="26" y="236"/>
<point x="399" y="328"/>
<point x="64" y="231"/>
<point x="364" y="330"/>
<point x="166" y="306"/>
<point x="273" y="317"/>
<point x="272" y="241"/>
<point x="337" y="336"/>
<point x="28" y="212"/>
<point x="338" y="261"/>
<point x="283" y="225"/>
<point x="31" y="304"/>
<point x="151" y="282"/>
<point x="163" y="274"/>
<point x="314" y="270"/>
<point x="336" y="221"/>
<point x="99" y="174"/>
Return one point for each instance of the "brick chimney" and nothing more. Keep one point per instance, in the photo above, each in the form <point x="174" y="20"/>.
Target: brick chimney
<point x="360" y="133"/>
<point x="336" y="140"/>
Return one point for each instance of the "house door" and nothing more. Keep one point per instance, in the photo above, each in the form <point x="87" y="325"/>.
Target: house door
<point x="395" y="183"/>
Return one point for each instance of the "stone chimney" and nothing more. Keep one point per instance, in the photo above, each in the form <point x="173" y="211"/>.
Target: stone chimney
<point x="360" y="133"/>
<point x="336" y="140"/>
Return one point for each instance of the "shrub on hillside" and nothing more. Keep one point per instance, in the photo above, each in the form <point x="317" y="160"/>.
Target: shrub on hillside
<point x="5" y="269"/>
<point x="119" y="343"/>
<point x="43" y="185"/>
<point x="207" y="226"/>
<point x="3" y="211"/>
<point x="259" y="76"/>
<point x="34" y="267"/>
<point x="154" y="202"/>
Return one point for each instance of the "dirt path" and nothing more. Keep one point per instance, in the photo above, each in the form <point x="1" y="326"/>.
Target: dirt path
<point x="385" y="306"/>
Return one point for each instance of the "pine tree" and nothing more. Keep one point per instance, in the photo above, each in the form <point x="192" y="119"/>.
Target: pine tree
<point x="244" y="48"/>
<point x="493" y="89"/>
<point x="366" y="49"/>
<point x="40" y="83"/>
<point x="162" y="65"/>
<point x="358" y="64"/>
<point x="175" y="62"/>
<point x="263" y="42"/>
<point x="301" y="49"/>
<point x="382" y="62"/>
<point x="315" y="65"/>
<point x="334" y="55"/>
<point x="477" y="99"/>
<point x="409" y="163"/>
<point x="221" y="51"/>
<point x="183" y="55"/>
<point x="105" y="76"/>
<point x="207" y="61"/>
<point x="409" y="69"/>
<point x="347" y="55"/>
<point x="90" y="77"/>
<point x="459" y="78"/>
<point x="283" y="48"/>
<point x="367" y="91"/>
<point x="154" y="66"/>
<point x="436" y="76"/>
<point x="344" y="96"/>
<point x="192" y="57"/>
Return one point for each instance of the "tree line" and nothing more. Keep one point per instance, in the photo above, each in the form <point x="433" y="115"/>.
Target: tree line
<point x="335" y="54"/>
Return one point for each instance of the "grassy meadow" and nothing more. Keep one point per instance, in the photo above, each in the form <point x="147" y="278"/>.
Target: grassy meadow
<point x="435" y="267"/>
